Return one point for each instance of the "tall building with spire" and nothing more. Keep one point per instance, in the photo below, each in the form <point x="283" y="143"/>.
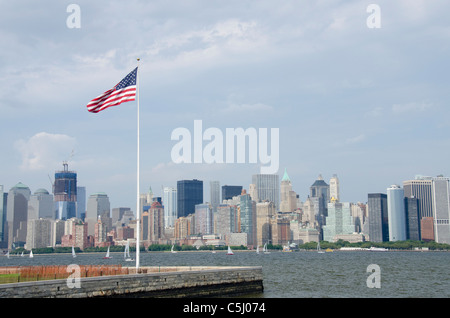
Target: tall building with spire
<point x="288" y="198"/>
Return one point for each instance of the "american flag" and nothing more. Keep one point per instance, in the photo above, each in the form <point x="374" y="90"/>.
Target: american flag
<point x="124" y="91"/>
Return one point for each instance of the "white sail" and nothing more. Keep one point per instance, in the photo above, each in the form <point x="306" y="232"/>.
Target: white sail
<point x="126" y="252"/>
<point x="265" y="250"/>
<point x="107" y="254"/>
<point x="31" y="254"/>
<point x="230" y="252"/>
<point x="172" y="250"/>
<point x="319" y="250"/>
<point x="73" y="252"/>
<point x="257" y="249"/>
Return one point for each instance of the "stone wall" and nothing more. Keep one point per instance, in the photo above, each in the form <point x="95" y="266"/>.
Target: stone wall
<point x="151" y="282"/>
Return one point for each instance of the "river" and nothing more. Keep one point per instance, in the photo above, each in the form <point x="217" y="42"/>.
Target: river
<point x="304" y="274"/>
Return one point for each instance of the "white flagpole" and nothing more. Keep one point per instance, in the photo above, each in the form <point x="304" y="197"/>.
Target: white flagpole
<point x="138" y="210"/>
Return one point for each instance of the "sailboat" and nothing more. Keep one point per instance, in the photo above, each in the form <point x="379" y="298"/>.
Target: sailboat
<point x="126" y="253"/>
<point x="171" y="250"/>
<point x="31" y="254"/>
<point x="319" y="250"/>
<point x="73" y="252"/>
<point x="257" y="249"/>
<point x="230" y="252"/>
<point x="107" y="254"/>
<point x="7" y="254"/>
<point x="265" y="250"/>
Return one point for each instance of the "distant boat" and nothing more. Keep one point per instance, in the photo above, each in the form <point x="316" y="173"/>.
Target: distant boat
<point x="73" y="252"/>
<point x="378" y="249"/>
<point x="265" y="250"/>
<point x="126" y="253"/>
<point x="107" y="254"/>
<point x="21" y="254"/>
<point x="7" y="254"/>
<point x="171" y="250"/>
<point x="230" y="252"/>
<point x="319" y="250"/>
<point x="31" y="254"/>
<point x="257" y="249"/>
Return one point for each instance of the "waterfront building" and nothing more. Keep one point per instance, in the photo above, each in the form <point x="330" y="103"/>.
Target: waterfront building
<point x="288" y="198"/>
<point x="280" y="230"/>
<point x="40" y="205"/>
<point x="267" y="188"/>
<point x="17" y="214"/>
<point x="3" y="208"/>
<point x="338" y="222"/>
<point x="189" y="193"/>
<point x="100" y="235"/>
<point x="265" y="211"/>
<point x="247" y="209"/>
<point x="38" y="233"/>
<point x="57" y="232"/>
<point x="413" y="231"/>
<point x="170" y="206"/>
<point x="396" y="213"/>
<point x="65" y="193"/>
<point x="441" y="209"/>
<point x="378" y="217"/>
<point x="203" y="219"/>
<point x="420" y="188"/>
<point x="184" y="227"/>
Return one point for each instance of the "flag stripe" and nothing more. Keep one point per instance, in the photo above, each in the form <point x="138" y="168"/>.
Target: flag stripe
<point x="124" y="91"/>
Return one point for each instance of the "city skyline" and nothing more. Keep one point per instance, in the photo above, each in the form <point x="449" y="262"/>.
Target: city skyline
<point x="366" y="104"/>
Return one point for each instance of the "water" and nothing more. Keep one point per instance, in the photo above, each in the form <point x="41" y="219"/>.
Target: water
<point x="301" y="274"/>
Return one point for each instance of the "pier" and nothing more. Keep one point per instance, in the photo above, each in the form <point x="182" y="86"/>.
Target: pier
<point x="151" y="281"/>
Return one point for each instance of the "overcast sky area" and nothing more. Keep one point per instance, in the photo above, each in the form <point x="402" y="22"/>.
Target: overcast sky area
<point x="368" y="104"/>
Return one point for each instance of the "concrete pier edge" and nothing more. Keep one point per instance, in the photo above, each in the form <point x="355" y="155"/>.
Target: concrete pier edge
<point x="159" y="281"/>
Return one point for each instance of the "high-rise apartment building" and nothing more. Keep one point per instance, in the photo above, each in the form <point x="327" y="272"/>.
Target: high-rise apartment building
<point x="378" y="217"/>
<point x="267" y="188"/>
<point x="38" y="233"/>
<point x="396" y="213"/>
<point x="170" y="202"/>
<point x="65" y="193"/>
<point x="189" y="193"/>
<point x="225" y="220"/>
<point x="203" y="219"/>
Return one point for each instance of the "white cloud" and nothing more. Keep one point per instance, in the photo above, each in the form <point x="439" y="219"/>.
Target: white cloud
<point x="44" y="151"/>
<point x="411" y="107"/>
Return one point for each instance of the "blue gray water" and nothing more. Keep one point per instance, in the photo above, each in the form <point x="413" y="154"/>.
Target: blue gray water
<point x="302" y="274"/>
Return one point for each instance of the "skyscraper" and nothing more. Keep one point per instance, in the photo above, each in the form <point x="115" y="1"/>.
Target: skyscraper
<point x="288" y="200"/>
<point x="3" y="201"/>
<point x="81" y="203"/>
<point x="320" y="194"/>
<point x="98" y="205"/>
<point x="378" y="217"/>
<point x="412" y="219"/>
<point x="228" y="192"/>
<point x="65" y="193"/>
<point x="441" y="209"/>
<point x="214" y="194"/>
<point x="339" y="221"/>
<point x="396" y="213"/>
<point x="268" y="188"/>
<point x="247" y="209"/>
<point x="189" y="193"/>
<point x="420" y="188"/>
<point x="334" y="187"/>
<point x="203" y="219"/>
<point x="17" y="214"/>
<point x="170" y="206"/>
<point x="40" y="205"/>
<point x="264" y="213"/>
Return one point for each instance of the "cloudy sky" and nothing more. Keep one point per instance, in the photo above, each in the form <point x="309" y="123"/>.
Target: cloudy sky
<point x="368" y="104"/>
